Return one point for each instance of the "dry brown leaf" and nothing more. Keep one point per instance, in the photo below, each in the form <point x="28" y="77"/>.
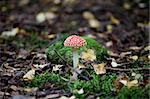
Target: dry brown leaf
<point x="120" y="81"/>
<point x="29" y="90"/>
<point x="135" y="57"/>
<point x="114" y="63"/>
<point x="147" y="48"/>
<point x="52" y="96"/>
<point x="148" y="57"/>
<point x="94" y="23"/>
<point x="13" y="87"/>
<point x="114" y="20"/>
<point x="127" y="6"/>
<point x="128" y="83"/>
<point x="123" y="54"/>
<point x="135" y="48"/>
<point x="112" y="54"/>
<point x="13" y="32"/>
<point x="99" y="68"/>
<point x="132" y="83"/>
<point x="81" y="66"/>
<point x="109" y="28"/>
<point x="88" y="15"/>
<point x="37" y="66"/>
<point x="89" y="55"/>
<point x="64" y="97"/>
<point x="40" y="17"/>
<point x="23" y="53"/>
<point x="109" y="44"/>
<point x="29" y="76"/>
<point x="81" y="91"/>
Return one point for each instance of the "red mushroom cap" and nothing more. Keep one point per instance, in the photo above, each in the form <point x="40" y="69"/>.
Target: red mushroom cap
<point x="74" y="41"/>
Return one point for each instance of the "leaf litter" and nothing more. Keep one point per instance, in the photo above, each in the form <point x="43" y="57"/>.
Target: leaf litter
<point x="23" y="60"/>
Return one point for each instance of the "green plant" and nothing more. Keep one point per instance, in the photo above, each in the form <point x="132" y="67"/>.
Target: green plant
<point x="40" y="80"/>
<point x="98" y="84"/>
<point x="66" y="52"/>
<point x="134" y="93"/>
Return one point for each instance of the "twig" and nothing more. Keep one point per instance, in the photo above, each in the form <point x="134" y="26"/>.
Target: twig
<point x="133" y="69"/>
<point x="61" y="57"/>
<point x="31" y="64"/>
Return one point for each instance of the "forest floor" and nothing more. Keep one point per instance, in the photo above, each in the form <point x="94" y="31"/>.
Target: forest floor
<point x="29" y="27"/>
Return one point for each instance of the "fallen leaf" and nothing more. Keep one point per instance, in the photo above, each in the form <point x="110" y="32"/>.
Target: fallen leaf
<point x="94" y="23"/>
<point x="89" y="55"/>
<point x="22" y="97"/>
<point x="13" y="32"/>
<point x="64" y="97"/>
<point x="120" y="82"/>
<point x="114" y="63"/>
<point x="56" y="1"/>
<point x="99" y="68"/>
<point x="124" y="82"/>
<point x="132" y="83"/>
<point x="138" y="76"/>
<point x="126" y="6"/>
<point x="23" y="2"/>
<point x="57" y="67"/>
<point x="147" y="48"/>
<point x="135" y="48"/>
<point x="40" y="17"/>
<point x="40" y="66"/>
<point x="129" y="84"/>
<point x="109" y="44"/>
<point x="135" y="57"/>
<point x="29" y="76"/>
<point x="13" y="87"/>
<point x="81" y="91"/>
<point x="109" y="28"/>
<point x="123" y="54"/>
<point x="148" y="57"/>
<point x="52" y="96"/>
<point x="88" y="15"/>
<point x="23" y="53"/>
<point x="30" y="90"/>
<point x="81" y="66"/>
<point x="114" y="20"/>
<point x="75" y="73"/>
<point x="50" y="15"/>
<point x="112" y="54"/>
<point x="133" y="74"/>
<point x="69" y="2"/>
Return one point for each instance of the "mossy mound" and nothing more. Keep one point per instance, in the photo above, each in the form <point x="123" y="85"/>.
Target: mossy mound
<point x="66" y="52"/>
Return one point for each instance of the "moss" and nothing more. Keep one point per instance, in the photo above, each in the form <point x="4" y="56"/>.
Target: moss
<point x="32" y="42"/>
<point x="66" y="52"/>
<point x="40" y="80"/>
<point x="97" y="84"/>
<point x="134" y="93"/>
<point x="102" y="85"/>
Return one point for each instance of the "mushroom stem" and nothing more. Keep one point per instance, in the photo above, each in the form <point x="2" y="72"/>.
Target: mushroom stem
<point x="75" y="58"/>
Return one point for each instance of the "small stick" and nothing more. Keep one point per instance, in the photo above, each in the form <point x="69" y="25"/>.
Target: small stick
<point x="119" y="69"/>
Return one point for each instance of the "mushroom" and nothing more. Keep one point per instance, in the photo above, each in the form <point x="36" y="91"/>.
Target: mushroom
<point x="75" y="42"/>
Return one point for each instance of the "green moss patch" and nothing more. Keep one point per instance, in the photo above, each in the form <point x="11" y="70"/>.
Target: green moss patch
<point x="66" y="52"/>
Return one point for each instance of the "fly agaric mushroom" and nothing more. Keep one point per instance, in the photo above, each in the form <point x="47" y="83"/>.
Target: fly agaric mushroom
<point x="75" y="42"/>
